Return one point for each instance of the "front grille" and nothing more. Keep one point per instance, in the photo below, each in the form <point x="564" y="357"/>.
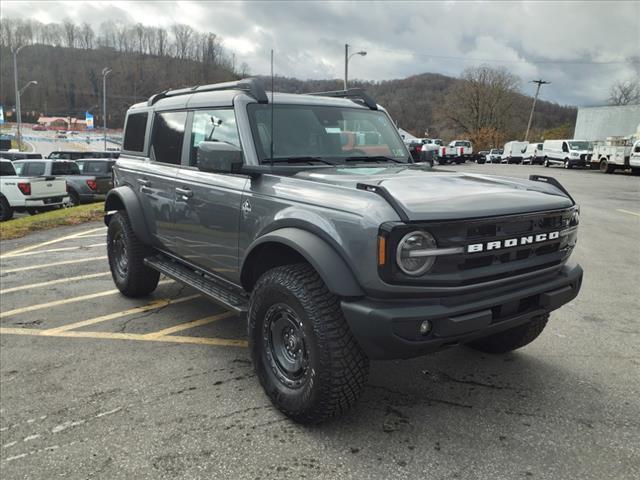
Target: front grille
<point x="469" y="268"/>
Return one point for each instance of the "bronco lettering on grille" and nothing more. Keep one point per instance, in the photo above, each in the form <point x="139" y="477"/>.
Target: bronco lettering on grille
<point x="512" y="242"/>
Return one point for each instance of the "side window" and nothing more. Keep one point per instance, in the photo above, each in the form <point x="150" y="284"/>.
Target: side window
<point x="134" y="132"/>
<point x="19" y="168"/>
<point x="167" y="137"/>
<point x="212" y="126"/>
<point x="565" y="147"/>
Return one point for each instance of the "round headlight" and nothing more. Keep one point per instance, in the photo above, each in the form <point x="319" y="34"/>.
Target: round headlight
<point x="411" y="257"/>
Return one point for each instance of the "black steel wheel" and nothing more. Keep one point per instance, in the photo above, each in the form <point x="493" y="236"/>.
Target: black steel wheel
<point x="126" y="259"/>
<point x="6" y="212"/>
<point x="304" y="354"/>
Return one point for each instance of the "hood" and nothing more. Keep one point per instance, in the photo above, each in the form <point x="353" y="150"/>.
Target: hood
<point x="419" y="194"/>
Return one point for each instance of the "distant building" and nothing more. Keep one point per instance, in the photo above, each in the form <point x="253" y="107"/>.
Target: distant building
<point x="404" y="134"/>
<point x="62" y="123"/>
<point x="598" y="123"/>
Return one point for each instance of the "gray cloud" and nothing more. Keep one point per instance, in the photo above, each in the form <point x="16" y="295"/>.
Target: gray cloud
<point x="572" y="44"/>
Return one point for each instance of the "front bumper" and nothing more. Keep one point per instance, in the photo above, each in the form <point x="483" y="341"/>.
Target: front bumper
<point x="388" y="329"/>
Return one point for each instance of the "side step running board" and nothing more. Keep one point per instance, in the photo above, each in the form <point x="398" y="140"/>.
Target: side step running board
<point x="204" y="284"/>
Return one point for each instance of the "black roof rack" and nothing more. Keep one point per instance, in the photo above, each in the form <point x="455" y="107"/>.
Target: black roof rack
<point x="351" y="93"/>
<point x="250" y="85"/>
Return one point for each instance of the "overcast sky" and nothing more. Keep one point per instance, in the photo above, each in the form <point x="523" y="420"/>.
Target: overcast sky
<point x="581" y="47"/>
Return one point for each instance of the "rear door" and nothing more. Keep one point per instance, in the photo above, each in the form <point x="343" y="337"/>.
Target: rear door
<point x="157" y="176"/>
<point x="207" y="209"/>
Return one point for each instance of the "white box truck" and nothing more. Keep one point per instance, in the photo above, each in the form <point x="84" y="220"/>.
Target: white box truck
<point x="569" y="153"/>
<point x="615" y="154"/>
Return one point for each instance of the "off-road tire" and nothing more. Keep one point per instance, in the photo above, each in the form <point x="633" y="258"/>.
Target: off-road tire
<point x="126" y="259"/>
<point x="336" y="367"/>
<point x="6" y="212"/>
<point x="74" y="198"/>
<point x="513" y="338"/>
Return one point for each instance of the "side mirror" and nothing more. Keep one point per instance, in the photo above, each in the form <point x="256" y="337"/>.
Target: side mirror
<point x="219" y="157"/>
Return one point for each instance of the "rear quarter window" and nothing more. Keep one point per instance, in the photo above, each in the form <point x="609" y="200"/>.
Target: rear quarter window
<point x="6" y="169"/>
<point x="134" y="132"/>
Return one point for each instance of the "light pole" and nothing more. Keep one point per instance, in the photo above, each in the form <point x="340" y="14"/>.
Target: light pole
<point x="533" y="107"/>
<point x="15" y="52"/>
<point x="347" y="57"/>
<point x="105" y="71"/>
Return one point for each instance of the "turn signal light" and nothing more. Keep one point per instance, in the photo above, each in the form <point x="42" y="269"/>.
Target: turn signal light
<point x="382" y="250"/>
<point x="25" y="188"/>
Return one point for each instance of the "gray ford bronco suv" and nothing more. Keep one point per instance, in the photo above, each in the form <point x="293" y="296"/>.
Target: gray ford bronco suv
<point x="306" y="215"/>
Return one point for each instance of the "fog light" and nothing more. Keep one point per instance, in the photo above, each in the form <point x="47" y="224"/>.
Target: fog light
<point x="425" y="327"/>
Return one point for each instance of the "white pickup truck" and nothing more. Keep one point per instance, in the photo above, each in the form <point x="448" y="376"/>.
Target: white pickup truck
<point x="28" y="194"/>
<point x="457" y="151"/>
<point x="617" y="153"/>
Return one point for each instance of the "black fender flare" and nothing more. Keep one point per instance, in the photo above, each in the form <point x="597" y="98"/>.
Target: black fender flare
<point x="331" y="267"/>
<point x="124" y="198"/>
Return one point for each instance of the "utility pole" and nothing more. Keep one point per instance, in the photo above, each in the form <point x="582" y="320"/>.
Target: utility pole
<point x="105" y="71"/>
<point x="15" y="81"/>
<point x="533" y="107"/>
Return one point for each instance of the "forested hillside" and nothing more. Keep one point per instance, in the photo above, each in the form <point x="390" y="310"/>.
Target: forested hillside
<point x="67" y="60"/>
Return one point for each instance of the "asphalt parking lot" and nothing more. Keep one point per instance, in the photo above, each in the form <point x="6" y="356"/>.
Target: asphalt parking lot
<point x="94" y="385"/>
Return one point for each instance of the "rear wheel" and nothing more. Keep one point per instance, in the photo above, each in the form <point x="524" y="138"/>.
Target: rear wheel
<point x="74" y="198"/>
<point x="513" y="338"/>
<point x="6" y="212"/>
<point x="304" y="354"/>
<point x="546" y="162"/>
<point x="126" y="259"/>
<point x="605" y="167"/>
<point x="567" y="164"/>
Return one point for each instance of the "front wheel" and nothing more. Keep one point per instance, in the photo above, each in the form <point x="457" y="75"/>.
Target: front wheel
<point x="605" y="167"/>
<point x="513" y="338"/>
<point x="126" y="259"/>
<point x="303" y="352"/>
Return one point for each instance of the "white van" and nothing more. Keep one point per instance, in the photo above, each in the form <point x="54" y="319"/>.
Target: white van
<point x="568" y="153"/>
<point x="533" y="154"/>
<point x="514" y="152"/>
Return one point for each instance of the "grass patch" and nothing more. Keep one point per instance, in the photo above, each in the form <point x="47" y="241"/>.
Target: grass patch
<point x="20" y="227"/>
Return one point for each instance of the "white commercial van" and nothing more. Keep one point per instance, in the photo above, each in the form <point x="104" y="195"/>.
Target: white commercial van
<point x="533" y="154"/>
<point x="568" y="153"/>
<point x="514" y="152"/>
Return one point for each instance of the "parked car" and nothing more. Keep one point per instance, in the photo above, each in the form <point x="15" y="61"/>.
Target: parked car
<point x="481" y="156"/>
<point x="568" y="153"/>
<point x="38" y="128"/>
<point x="96" y="166"/>
<point x="533" y="154"/>
<point x="457" y="151"/>
<point x="82" y="188"/>
<point x="634" y="160"/>
<point x="415" y="147"/>
<point x="17" y="155"/>
<point x="513" y="152"/>
<point x="77" y="154"/>
<point x="495" y="155"/>
<point x="336" y="252"/>
<point x="22" y="193"/>
<point x="61" y="135"/>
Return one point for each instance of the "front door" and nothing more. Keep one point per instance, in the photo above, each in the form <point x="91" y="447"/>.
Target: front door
<point x="207" y="208"/>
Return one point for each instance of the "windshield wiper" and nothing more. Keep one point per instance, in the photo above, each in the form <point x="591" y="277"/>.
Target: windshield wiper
<point x="375" y="158"/>
<point x="306" y="159"/>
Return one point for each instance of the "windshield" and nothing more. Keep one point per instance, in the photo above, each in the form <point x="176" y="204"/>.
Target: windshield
<point x="580" y="146"/>
<point x="333" y="135"/>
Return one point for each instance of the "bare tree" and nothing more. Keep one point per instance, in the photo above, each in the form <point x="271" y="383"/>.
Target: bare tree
<point x="86" y="36"/>
<point x="107" y="36"/>
<point x="182" y="34"/>
<point x="625" y="92"/>
<point x="70" y="31"/>
<point x="482" y="98"/>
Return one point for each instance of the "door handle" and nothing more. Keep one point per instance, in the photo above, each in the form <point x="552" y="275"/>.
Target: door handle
<point x="185" y="193"/>
<point x="144" y="182"/>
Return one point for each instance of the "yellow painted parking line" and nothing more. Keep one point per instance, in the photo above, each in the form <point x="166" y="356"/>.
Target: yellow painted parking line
<point x="49" y="242"/>
<point x="53" y="282"/>
<point x="219" y="342"/>
<point x="54" y="250"/>
<point x="188" y="325"/>
<point x="64" y="301"/>
<point x="628" y="211"/>
<point x="163" y="302"/>
<point x="47" y="265"/>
